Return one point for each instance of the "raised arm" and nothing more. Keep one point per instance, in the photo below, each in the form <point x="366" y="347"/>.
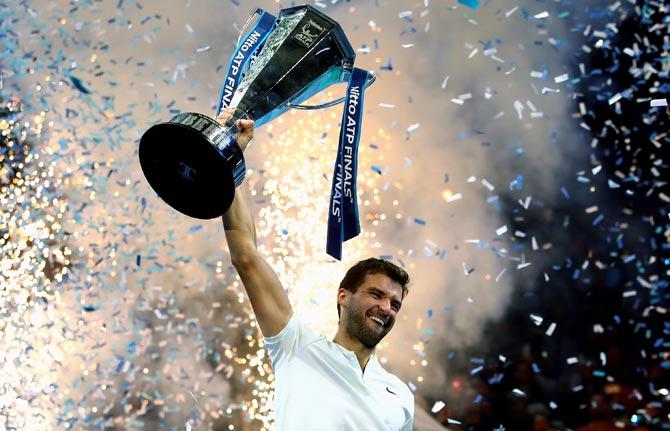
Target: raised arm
<point x="266" y="294"/>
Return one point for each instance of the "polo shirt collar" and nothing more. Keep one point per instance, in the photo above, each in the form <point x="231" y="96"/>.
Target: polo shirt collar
<point x="373" y="363"/>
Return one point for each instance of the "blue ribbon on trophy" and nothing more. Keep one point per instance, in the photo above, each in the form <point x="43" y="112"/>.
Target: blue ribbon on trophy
<point x="194" y="163"/>
<point x="343" y="221"/>
<point x="251" y="43"/>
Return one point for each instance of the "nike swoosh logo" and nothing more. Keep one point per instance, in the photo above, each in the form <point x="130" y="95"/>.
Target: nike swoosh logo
<point x="391" y="392"/>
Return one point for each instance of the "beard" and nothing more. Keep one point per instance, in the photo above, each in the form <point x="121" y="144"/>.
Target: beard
<point x="359" y="326"/>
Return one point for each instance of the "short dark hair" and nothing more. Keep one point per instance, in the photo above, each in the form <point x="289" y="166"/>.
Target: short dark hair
<point x="356" y="274"/>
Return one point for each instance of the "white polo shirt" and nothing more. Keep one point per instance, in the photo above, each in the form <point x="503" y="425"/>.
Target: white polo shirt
<point x="320" y="386"/>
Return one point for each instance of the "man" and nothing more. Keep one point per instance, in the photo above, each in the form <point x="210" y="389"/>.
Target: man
<point x="323" y="384"/>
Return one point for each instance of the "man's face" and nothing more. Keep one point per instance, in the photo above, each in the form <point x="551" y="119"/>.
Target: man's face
<point x="369" y="314"/>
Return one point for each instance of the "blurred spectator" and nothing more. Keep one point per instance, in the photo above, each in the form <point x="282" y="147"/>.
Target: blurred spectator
<point x="539" y="414"/>
<point x="601" y="416"/>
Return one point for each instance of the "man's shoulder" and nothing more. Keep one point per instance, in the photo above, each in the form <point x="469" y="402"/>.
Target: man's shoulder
<point x="314" y="339"/>
<point x="295" y="330"/>
<point x="311" y="338"/>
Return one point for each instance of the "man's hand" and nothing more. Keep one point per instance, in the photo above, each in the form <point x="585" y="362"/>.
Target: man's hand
<point x="246" y="127"/>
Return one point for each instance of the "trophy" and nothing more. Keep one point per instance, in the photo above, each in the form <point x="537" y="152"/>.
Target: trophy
<point x="194" y="163"/>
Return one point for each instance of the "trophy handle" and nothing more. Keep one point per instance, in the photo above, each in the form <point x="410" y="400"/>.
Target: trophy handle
<point x="256" y="13"/>
<point x="371" y="78"/>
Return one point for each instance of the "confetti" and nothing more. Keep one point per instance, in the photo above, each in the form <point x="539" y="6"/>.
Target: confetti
<point x="454" y="197"/>
<point x="612" y="100"/>
<point x="79" y="85"/>
<point x="550" y="330"/>
<point x="439" y="405"/>
<point x="473" y="4"/>
<point x="511" y="11"/>
<point x="488" y="185"/>
<point x="444" y="82"/>
<point x="125" y="314"/>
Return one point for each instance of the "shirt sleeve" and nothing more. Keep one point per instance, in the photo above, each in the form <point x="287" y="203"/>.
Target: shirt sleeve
<point x="283" y="346"/>
<point x="409" y="420"/>
<point x="408" y="425"/>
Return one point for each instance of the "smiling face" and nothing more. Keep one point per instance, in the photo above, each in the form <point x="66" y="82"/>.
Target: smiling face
<point x="370" y="313"/>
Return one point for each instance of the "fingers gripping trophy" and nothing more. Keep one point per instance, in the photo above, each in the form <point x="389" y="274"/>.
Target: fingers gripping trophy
<point x="194" y="163"/>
